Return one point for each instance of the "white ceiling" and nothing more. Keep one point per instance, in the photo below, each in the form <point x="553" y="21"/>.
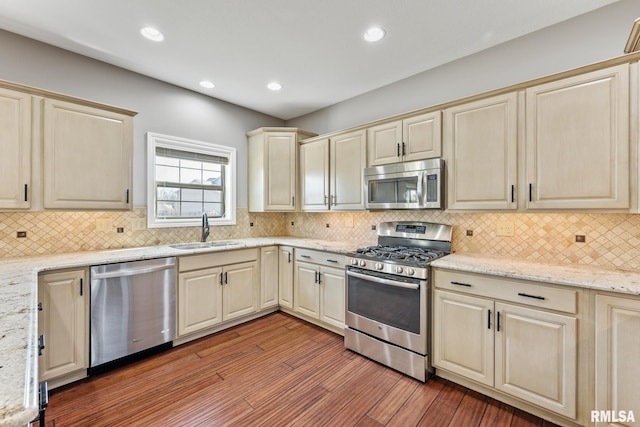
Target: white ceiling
<point x="313" y="47"/>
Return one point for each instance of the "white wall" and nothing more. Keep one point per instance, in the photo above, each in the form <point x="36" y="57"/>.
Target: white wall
<point x="586" y="39"/>
<point x="161" y="107"/>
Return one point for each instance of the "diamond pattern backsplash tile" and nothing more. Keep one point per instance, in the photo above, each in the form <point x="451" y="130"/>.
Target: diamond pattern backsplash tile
<point x="611" y="240"/>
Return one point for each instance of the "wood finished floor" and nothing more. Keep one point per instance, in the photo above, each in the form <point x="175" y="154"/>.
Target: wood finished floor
<point x="274" y="371"/>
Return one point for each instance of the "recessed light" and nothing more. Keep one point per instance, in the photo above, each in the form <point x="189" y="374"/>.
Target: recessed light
<point x="152" y="34"/>
<point x="274" y="86"/>
<point x="207" y="84"/>
<point x="374" y="34"/>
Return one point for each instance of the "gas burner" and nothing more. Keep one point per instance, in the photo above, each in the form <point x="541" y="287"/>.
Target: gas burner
<point x="400" y="253"/>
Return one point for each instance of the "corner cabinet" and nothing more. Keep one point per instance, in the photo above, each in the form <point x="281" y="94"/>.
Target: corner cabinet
<point x="413" y="138"/>
<point x="87" y="157"/>
<point x="268" y="277"/>
<point x="617" y="375"/>
<point x="15" y="146"/>
<point x="285" y="277"/>
<point x="273" y="168"/>
<point x="514" y="337"/>
<point x="62" y="321"/>
<point x="331" y="173"/>
<point x="577" y="141"/>
<point x="480" y="145"/>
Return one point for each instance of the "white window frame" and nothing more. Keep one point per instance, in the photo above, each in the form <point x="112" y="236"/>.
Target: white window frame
<point x="165" y="141"/>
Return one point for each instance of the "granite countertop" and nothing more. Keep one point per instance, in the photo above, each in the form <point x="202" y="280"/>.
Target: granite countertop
<point x="584" y="276"/>
<point x="19" y="318"/>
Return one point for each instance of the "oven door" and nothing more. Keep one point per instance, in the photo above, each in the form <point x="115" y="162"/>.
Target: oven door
<point x="389" y="307"/>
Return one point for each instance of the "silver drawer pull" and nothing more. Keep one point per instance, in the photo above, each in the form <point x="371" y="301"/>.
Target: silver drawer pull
<point x="305" y="256"/>
<point x="461" y="284"/>
<point x="531" y="296"/>
<point x="332" y="260"/>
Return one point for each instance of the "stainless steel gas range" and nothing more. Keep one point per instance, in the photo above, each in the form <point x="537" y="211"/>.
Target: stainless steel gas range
<point x="387" y="310"/>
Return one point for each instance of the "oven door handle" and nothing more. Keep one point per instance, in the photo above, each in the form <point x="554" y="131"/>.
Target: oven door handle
<point x="383" y="281"/>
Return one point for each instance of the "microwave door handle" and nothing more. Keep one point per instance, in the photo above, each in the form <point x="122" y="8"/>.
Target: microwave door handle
<point x="383" y="281"/>
<point x="421" y="187"/>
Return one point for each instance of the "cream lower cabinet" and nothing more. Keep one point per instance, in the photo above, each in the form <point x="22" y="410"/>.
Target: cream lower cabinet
<point x="481" y="147"/>
<point x="523" y="350"/>
<point x="319" y="288"/>
<point x="577" y="141"/>
<point x="15" y="146"/>
<point x="216" y="287"/>
<point x="285" y="276"/>
<point x="87" y="159"/>
<point x="268" y="277"/>
<point x="63" y="322"/>
<point x="331" y="173"/>
<point x="617" y="346"/>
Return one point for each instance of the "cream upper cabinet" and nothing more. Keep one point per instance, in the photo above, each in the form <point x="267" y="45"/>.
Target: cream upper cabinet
<point x="273" y="168"/>
<point x="414" y="138"/>
<point x="480" y="147"/>
<point x="331" y="173"/>
<point x="617" y="376"/>
<point x="63" y="321"/>
<point x="347" y="154"/>
<point x="87" y="157"/>
<point x="15" y="146"/>
<point x="314" y="175"/>
<point x="577" y="141"/>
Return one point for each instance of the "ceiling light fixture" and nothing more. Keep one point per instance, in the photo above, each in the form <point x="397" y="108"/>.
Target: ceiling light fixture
<point x="274" y="86"/>
<point x="207" y="84"/>
<point x="374" y="34"/>
<point x="152" y="34"/>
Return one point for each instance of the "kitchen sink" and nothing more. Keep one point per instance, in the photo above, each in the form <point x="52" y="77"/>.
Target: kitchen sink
<point x="203" y="245"/>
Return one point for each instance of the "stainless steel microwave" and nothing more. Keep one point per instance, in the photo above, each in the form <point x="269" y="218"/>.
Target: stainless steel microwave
<point x="410" y="185"/>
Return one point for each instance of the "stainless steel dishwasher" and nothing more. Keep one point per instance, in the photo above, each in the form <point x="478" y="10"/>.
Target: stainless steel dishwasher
<point x="133" y="308"/>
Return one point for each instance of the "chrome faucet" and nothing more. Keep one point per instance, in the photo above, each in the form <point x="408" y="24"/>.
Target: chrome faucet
<point x="205" y="227"/>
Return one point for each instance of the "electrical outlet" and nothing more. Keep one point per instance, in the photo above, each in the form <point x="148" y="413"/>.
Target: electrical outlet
<point x="104" y="224"/>
<point x="505" y="228"/>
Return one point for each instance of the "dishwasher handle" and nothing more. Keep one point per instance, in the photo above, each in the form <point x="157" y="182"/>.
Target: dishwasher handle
<point x="132" y="271"/>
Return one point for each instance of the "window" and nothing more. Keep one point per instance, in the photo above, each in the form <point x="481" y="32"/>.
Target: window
<point x="187" y="178"/>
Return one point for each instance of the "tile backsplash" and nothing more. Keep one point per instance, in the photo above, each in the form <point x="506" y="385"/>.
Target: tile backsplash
<point x="611" y="240"/>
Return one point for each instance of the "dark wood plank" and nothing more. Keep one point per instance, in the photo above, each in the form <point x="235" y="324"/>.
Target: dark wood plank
<point x="276" y="370"/>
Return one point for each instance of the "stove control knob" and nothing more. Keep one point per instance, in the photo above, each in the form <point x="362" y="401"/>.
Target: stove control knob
<point x="354" y="261"/>
<point x="362" y="263"/>
<point x="379" y="266"/>
<point x="398" y="270"/>
<point x="410" y="271"/>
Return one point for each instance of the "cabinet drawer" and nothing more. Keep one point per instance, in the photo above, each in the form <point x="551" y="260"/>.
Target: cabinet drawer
<point x="320" y="257"/>
<point x="218" y="258"/>
<point x="513" y="290"/>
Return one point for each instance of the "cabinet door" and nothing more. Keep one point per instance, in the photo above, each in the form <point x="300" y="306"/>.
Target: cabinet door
<point x="314" y="174"/>
<point x="422" y="137"/>
<point x="63" y="322"/>
<point x="281" y="173"/>
<point x="347" y="164"/>
<point x="332" y="294"/>
<point x="285" y="277"/>
<point x="199" y="300"/>
<point x="306" y="295"/>
<point x="577" y="141"/>
<point x="463" y="336"/>
<point x="240" y="290"/>
<point x="268" y="277"/>
<point x="480" y="140"/>
<point x="384" y="143"/>
<point x="536" y="357"/>
<point x="15" y="146"/>
<point x="617" y="349"/>
<point x="87" y="157"/>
